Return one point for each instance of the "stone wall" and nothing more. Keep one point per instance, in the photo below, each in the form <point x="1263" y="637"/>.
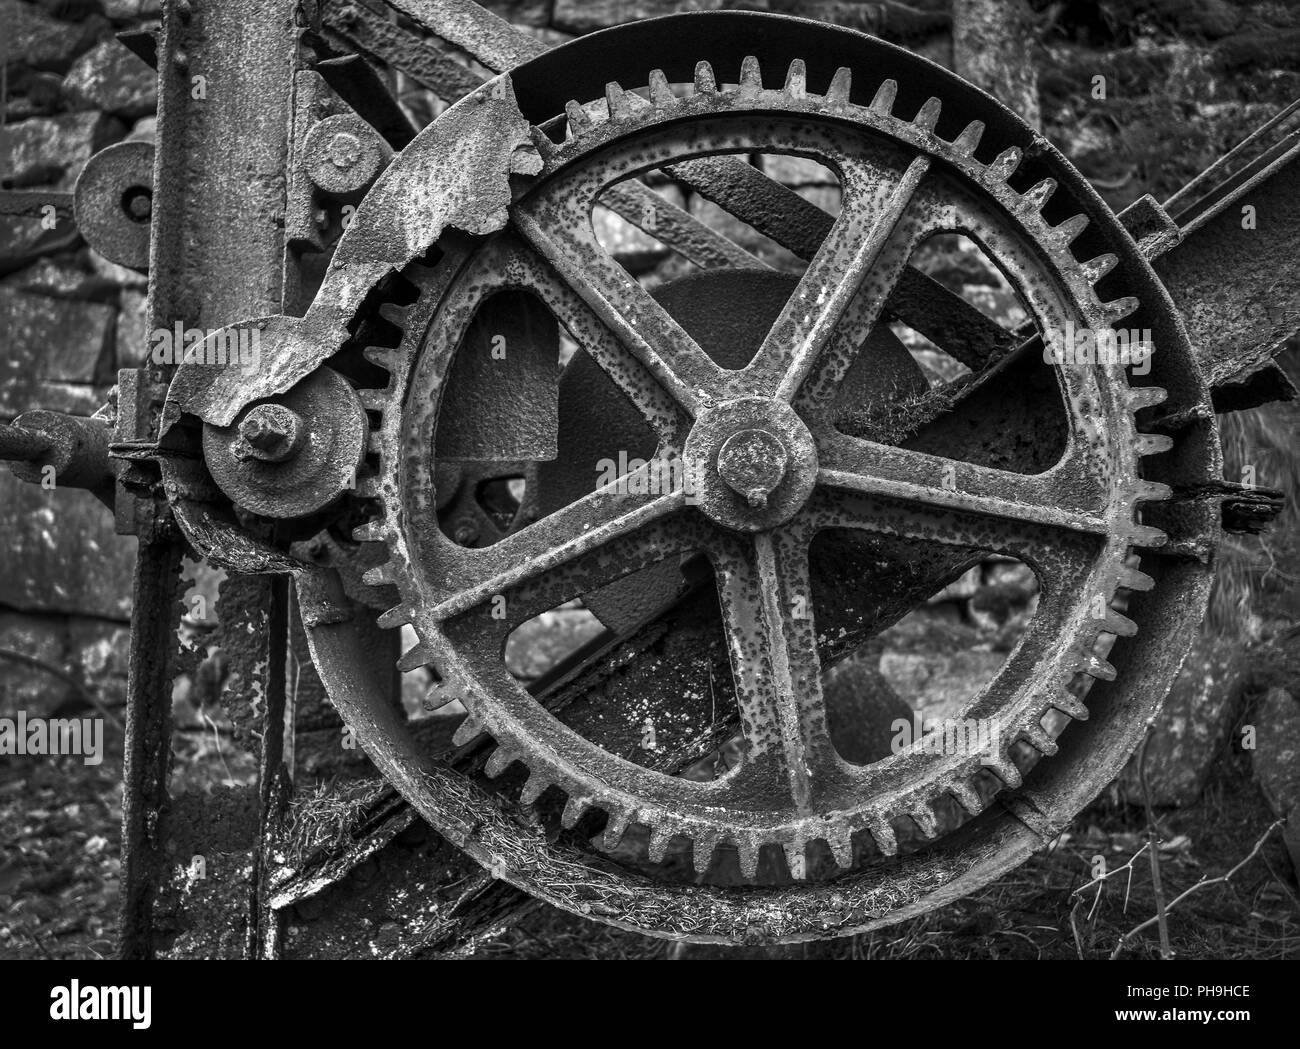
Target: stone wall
<point x="68" y="320"/>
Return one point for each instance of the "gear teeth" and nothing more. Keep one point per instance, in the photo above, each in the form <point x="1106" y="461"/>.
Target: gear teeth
<point x="657" y="846"/>
<point x="1153" y="443"/>
<point x="1152" y="491"/>
<point x="923" y="817"/>
<point x="395" y="314"/>
<point x="1036" y="197"/>
<point x="968" y="141"/>
<point x="796" y="859"/>
<point x="543" y="144"/>
<point x="1094" y="666"/>
<point x="534" y="787"/>
<point x="747" y="851"/>
<point x="796" y="79"/>
<point x="841" y="851"/>
<point x="1069" y="704"/>
<point x="1146" y="397"/>
<point x="467" y="731"/>
<point x="1121" y="308"/>
<point x="394" y="617"/>
<point x="574" y="809"/>
<point x="1071" y="228"/>
<point x="841" y="87"/>
<point x="967" y="797"/>
<point x="751" y="78"/>
<point x="1095" y="269"/>
<point x="370" y="532"/>
<point x="883" y="102"/>
<point x="498" y="761"/>
<point x="884" y="836"/>
<point x="1038" y="738"/>
<point x="385" y="357"/>
<point x="612" y="835"/>
<point x="1003" y="166"/>
<point x="660" y="93"/>
<point x="1119" y="624"/>
<point x="1002" y="766"/>
<point x="928" y="115"/>
<point x="702" y="850"/>
<point x="367" y="488"/>
<point x="374" y="444"/>
<point x="579" y="119"/>
<point x="1132" y="579"/>
<point x="442" y="700"/>
<point x="705" y="82"/>
<point x="373" y="400"/>
<point x="616" y="102"/>
<point x="380" y="575"/>
<point x="1148" y="537"/>
<point x="414" y="658"/>
<point x="420" y="273"/>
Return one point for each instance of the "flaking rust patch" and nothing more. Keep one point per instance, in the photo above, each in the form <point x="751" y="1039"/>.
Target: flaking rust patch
<point x="456" y="173"/>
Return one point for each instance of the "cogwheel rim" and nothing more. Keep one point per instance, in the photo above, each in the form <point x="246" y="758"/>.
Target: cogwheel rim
<point x="623" y="121"/>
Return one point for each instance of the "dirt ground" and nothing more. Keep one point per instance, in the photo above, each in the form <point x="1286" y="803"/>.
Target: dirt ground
<point x="59" y="822"/>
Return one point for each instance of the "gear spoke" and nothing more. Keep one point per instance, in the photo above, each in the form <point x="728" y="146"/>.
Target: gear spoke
<point x="844" y="269"/>
<point x="640" y="548"/>
<point x="475" y="576"/>
<point x="517" y="265"/>
<point x="766" y="601"/>
<point x="940" y="484"/>
<point x="643" y="326"/>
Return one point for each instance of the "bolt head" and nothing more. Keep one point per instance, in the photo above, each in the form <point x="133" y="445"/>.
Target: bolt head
<point x="344" y="150"/>
<point x="271" y="433"/>
<point x="752" y="463"/>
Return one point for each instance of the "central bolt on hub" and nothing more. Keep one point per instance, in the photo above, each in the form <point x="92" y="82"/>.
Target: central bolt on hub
<point x="270" y="432"/>
<point x="753" y="463"/>
<point x="756" y="448"/>
<point x="344" y="149"/>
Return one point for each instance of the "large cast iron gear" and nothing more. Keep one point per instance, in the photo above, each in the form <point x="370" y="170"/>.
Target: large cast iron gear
<point x="923" y="488"/>
<point x="1078" y="524"/>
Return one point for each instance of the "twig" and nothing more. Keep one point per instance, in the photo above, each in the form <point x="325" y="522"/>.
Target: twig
<point x="216" y="735"/>
<point x="1157" y="888"/>
<point x="1099" y="881"/>
<point x="62" y="675"/>
<point x="1204" y="883"/>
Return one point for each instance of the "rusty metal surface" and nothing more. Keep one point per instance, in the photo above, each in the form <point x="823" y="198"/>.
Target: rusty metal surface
<point x="344" y="155"/>
<point x="216" y="255"/>
<point x="455" y="174"/>
<point x="361" y="26"/>
<point x="1236" y="281"/>
<point x="113" y="201"/>
<point x="294" y="455"/>
<point x="777" y="437"/>
<point x="58" y="448"/>
<point x="441" y="590"/>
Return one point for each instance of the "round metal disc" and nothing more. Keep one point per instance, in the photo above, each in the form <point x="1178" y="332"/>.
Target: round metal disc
<point x="112" y="202"/>
<point x="323" y="468"/>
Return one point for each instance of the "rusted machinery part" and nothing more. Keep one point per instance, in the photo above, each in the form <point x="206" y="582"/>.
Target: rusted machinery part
<point x="293" y="454"/>
<point x="499" y="832"/>
<point x="66" y="450"/>
<point x="344" y="155"/>
<point x="1095" y="493"/>
<point x="113" y="202"/>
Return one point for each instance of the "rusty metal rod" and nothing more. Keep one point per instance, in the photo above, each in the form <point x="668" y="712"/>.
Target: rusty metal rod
<point x="21" y="444"/>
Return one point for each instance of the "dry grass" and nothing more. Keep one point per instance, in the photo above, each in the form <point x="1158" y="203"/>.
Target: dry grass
<point x="1026" y="914"/>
